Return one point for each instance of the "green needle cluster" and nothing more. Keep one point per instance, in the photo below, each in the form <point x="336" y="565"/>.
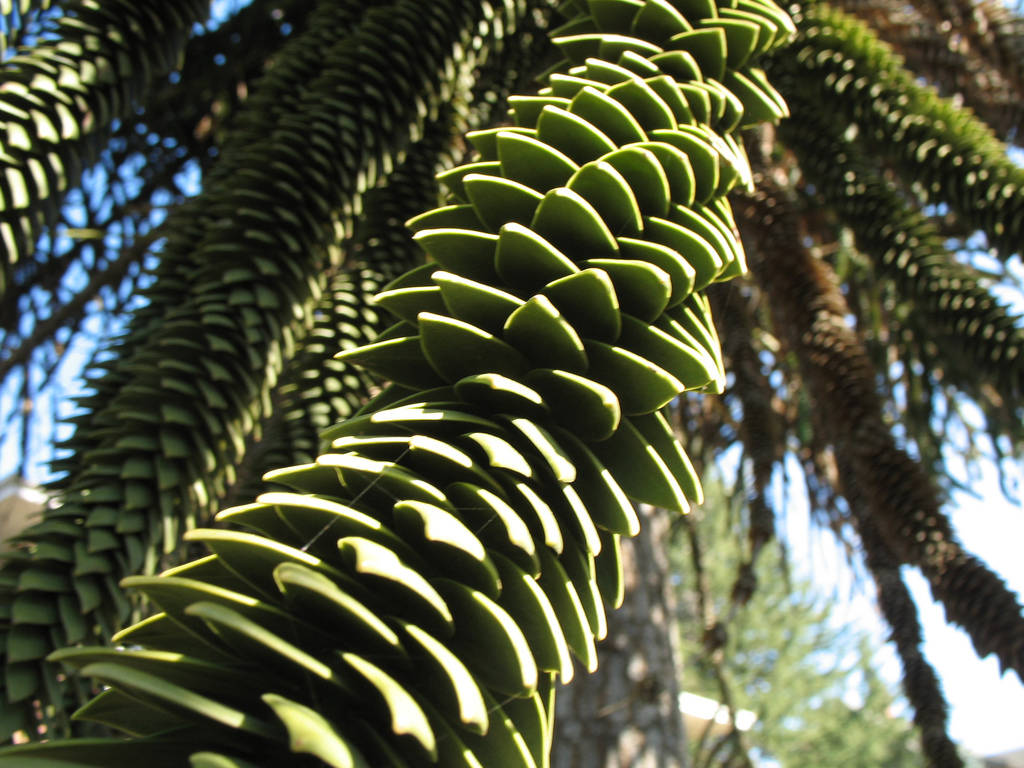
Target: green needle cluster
<point x="415" y="598"/>
<point x="60" y="100"/>
<point x="237" y="281"/>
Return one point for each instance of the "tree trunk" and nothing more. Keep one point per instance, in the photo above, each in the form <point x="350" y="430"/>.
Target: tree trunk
<point x="626" y="714"/>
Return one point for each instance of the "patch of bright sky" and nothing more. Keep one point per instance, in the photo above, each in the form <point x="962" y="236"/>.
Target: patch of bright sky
<point x="223" y="9"/>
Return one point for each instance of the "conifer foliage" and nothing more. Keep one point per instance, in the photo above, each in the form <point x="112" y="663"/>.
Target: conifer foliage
<point x="436" y="536"/>
<point x="420" y="588"/>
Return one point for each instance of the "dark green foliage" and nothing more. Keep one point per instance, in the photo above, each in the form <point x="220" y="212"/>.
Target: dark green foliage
<point x="947" y="153"/>
<point x="557" y="318"/>
<point x="327" y="631"/>
<point x="234" y="287"/>
<point x="315" y="390"/>
<point x="62" y="98"/>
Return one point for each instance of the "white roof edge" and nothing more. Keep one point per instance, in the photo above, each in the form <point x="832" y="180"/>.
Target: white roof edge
<point x="709" y="709"/>
<point x="15" y="485"/>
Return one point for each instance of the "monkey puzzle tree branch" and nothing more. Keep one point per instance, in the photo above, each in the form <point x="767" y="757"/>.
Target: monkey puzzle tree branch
<point x="951" y="155"/>
<point x="900" y="500"/>
<point x="903" y="503"/>
<point x="760" y="428"/>
<point x="62" y="99"/>
<point x="905" y="247"/>
<point x="920" y="683"/>
<point x="199" y="360"/>
<point x="444" y="423"/>
<point x="991" y="30"/>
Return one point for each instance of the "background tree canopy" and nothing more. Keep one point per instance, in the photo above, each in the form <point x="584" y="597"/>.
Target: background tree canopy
<point x="805" y="671"/>
<point x="552" y="360"/>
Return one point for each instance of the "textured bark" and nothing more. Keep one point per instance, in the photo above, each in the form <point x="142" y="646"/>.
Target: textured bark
<point x="626" y="715"/>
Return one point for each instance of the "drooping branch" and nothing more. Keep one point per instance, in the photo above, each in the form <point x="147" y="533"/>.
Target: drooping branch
<point x="990" y="29"/>
<point x="760" y="428"/>
<point x="950" y="155"/>
<point x="900" y="500"/>
<point x="933" y="45"/>
<point x="290" y="76"/>
<point x="976" y="340"/>
<point x="316" y="390"/>
<point x="483" y="405"/>
<point x="920" y="683"/>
